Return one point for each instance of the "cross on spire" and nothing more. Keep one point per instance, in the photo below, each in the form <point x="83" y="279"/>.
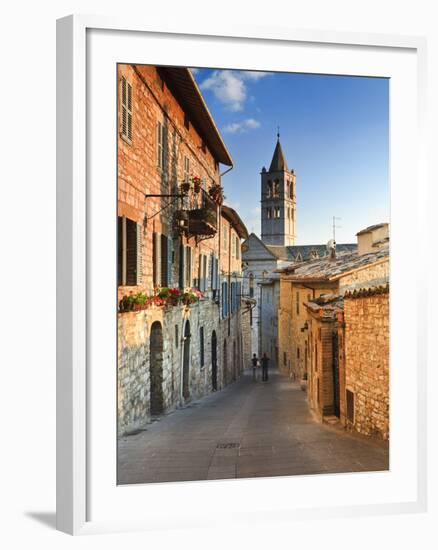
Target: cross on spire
<point x="278" y="133"/>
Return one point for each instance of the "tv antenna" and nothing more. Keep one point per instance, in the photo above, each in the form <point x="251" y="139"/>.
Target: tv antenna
<point x="334" y="226"/>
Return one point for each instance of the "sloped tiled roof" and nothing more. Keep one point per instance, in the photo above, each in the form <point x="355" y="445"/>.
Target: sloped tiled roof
<point x="370" y="291"/>
<point x="327" y="269"/>
<point x="371" y="228"/>
<point x="305" y="252"/>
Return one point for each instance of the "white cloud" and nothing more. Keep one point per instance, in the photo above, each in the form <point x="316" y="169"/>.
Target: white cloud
<point x="230" y="87"/>
<point x="242" y="126"/>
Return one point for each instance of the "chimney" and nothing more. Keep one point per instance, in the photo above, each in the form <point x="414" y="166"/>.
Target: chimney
<point x="331" y="249"/>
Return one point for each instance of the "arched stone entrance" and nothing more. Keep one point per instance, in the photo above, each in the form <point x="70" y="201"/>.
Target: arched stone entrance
<point x="156" y="369"/>
<point x="214" y="361"/>
<point x="186" y="363"/>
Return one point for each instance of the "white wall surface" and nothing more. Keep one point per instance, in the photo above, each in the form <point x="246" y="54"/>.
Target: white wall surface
<point x="27" y="401"/>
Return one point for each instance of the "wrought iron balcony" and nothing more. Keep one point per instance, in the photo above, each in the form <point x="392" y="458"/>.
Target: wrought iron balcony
<point x="200" y="219"/>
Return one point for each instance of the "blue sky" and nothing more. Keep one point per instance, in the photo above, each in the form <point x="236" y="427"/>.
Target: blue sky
<point x="334" y="133"/>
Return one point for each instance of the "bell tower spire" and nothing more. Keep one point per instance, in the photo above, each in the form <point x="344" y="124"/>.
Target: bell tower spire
<point x="278" y="200"/>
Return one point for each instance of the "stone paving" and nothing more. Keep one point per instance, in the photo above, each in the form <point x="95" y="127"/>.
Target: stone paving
<point x="246" y="430"/>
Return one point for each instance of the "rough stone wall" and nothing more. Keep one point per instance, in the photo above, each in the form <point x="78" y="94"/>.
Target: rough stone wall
<point x="367" y="362"/>
<point x="294" y="351"/>
<point x="134" y="364"/>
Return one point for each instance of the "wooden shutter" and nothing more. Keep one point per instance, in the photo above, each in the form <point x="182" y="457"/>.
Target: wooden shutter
<point x="120" y="251"/>
<point x="188" y="276"/>
<point x="211" y="272"/>
<point x="126" y="121"/>
<point x="156" y="258"/>
<point x="164" y="261"/>
<point x="182" y="266"/>
<point x="216" y="261"/>
<point x="139" y="254"/>
<point x="129" y="129"/>
<point x="131" y="252"/>
<point x="169" y="262"/>
<point x="205" y="272"/>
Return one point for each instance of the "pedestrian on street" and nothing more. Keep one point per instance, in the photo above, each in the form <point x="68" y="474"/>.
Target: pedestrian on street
<point x="255" y="364"/>
<point x="265" y="366"/>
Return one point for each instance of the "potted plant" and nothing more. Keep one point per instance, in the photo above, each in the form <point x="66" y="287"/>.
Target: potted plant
<point x="185" y="187"/>
<point x="196" y="180"/>
<point x="216" y="192"/>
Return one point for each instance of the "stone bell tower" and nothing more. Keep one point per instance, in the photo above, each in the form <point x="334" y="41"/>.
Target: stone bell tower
<point x="278" y="201"/>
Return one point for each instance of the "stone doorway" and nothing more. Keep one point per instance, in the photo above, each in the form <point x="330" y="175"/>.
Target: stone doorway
<point x="156" y="369"/>
<point x="225" y="363"/>
<point x="186" y="363"/>
<point x="234" y="361"/>
<point x="214" y="361"/>
<point x="336" y="392"/>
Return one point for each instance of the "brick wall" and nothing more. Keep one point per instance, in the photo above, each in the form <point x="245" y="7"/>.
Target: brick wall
<point x="367" y="361"/>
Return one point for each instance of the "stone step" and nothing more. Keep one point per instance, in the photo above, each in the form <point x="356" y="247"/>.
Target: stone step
<point x="332" y="419"/>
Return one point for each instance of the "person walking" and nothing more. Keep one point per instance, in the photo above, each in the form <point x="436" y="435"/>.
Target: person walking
<point x="265" y="367"/>
<point x="255" y="364"/>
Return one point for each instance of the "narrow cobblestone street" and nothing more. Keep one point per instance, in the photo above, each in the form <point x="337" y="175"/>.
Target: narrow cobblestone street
<point x="246" y="430"/>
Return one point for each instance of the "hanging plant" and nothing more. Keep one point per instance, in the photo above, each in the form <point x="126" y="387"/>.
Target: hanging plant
<point x="216" y="192"/>
<point x="196" y="180"/>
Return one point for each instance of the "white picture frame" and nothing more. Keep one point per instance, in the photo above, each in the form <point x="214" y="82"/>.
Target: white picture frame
<point x="77" y="370"/>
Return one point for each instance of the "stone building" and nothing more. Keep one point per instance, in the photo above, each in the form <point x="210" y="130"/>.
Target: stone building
<point x="300" y="283"/>
<point x="364" y="343"/>
<point x="348" y="372"/>
<point x="179" y="265"/>
<point x="332" y="313"/>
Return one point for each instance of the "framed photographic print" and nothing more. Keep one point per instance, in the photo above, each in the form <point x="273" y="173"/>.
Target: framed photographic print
<point x="236" y="211"/>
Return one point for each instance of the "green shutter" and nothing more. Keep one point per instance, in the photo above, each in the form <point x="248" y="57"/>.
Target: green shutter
<point x="157" y="259"/>
<point x="139" y="254"/>
<point x="182" y="266"/>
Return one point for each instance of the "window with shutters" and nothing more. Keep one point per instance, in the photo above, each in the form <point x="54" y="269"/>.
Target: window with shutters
<point x="225" y="239"/>
<point x="201" y="347"/>
<point x="224" y="300"/>
<point x="186" y="169"/>
<point x="182" y="266"/>
<point x="156" y="259"/>
<point x="128" y="252"/>
<point x="298" y="303"/>
<point x="126" y="114"/>
<point x="160" y="145"/>
<point x="238" y="248"/>
<point x="188" y="266"/>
